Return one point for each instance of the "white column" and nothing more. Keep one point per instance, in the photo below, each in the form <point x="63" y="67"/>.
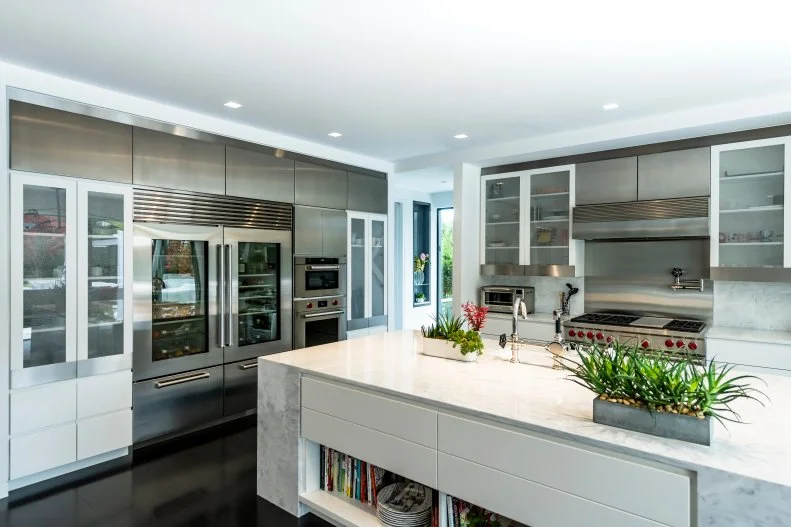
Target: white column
<point x="5" y="299"/>
<point x="466" y="237"/>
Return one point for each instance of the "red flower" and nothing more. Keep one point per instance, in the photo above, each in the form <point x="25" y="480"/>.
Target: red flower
<point x="475" y="315"/>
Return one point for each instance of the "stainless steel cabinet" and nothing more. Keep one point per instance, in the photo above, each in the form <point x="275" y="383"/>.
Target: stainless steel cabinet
<point x="319" y="186"/>
<point x="319" y="232"/>
<point x="170" y="161"/>
<point x="333" y="232"/>
<point x="251" y="174"/>
<point x="56" y="142"/>
<point x="240" y="387"/>
<point x="678" y="174"/>
<point x="608" y="181"/>
<point x="367" y="193"/>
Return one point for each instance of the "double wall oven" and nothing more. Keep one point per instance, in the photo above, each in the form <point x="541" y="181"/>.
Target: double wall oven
<point x="319" y="300"/>
<point x="208" y="300"/>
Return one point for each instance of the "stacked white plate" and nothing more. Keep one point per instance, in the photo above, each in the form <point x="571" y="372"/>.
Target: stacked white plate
<point x="404" y="504"/>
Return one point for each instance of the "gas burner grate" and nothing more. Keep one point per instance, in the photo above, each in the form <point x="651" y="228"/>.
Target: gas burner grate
<point x="605" y="319"/>
<point x="690" y="326"/>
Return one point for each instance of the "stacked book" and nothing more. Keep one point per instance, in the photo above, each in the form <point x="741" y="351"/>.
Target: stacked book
<point x="462" y="514"/>
<point x="349" y="476"/>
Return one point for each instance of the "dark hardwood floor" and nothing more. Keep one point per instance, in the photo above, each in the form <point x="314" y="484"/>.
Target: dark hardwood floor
<point x="200" y="485"/>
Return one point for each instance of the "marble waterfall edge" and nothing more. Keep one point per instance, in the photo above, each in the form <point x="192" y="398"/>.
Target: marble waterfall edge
<point x="444" y="349"/>
<point x="662" y="424"/>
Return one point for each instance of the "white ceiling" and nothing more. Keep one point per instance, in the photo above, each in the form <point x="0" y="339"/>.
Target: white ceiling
<point x="428" y="180"/>
<point x="399" y="79"/>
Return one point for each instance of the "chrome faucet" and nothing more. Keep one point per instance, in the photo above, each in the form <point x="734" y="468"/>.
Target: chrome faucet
<point x="519" y="307"/>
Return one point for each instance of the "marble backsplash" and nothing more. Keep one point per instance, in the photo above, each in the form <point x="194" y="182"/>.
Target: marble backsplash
<point x="547" y="289"/>
<point x="753" y="305"/>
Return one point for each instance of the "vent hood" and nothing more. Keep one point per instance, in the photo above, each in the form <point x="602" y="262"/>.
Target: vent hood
<point x="650" y="219"/>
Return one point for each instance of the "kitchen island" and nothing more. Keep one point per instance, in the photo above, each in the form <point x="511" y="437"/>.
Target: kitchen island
<point x="516" y="438"/>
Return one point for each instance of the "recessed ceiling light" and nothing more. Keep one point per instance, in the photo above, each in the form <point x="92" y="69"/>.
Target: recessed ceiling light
<point x="610" y="106"/>
<point x="444" y="181"/>
<point x="335" y="134"/>
<point x="234" y="105"/>
<point x="461" y="136"/>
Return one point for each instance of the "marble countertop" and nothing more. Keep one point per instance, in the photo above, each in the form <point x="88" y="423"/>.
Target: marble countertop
<point x="750" y="335"/>
<point x="541" y="399"/>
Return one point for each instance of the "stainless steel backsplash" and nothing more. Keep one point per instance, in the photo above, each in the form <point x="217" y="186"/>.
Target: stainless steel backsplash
<point x="634" y="276"/>
<point x="547" y="288"/>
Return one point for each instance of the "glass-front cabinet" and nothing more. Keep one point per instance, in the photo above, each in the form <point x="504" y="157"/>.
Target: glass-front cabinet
<point x="367" y="272"/>
<point x="526" y="223"/>
<point x="749" y="218"/>
<point x="70" y="315"/>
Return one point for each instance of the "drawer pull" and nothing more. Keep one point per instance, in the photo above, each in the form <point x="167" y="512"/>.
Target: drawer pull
<point x="182" y="380"/>
<point x="249" y="365"/>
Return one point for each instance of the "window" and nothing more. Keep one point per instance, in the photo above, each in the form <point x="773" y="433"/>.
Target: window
<point x="421" y="252"/>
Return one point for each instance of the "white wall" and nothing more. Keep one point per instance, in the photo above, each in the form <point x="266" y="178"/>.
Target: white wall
<point x="12" y="76"/>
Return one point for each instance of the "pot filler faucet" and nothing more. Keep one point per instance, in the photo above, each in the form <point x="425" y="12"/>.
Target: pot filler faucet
<point x="678" y="283"/>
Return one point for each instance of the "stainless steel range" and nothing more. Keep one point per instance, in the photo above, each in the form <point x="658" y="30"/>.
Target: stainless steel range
<point x="657" y="334"/>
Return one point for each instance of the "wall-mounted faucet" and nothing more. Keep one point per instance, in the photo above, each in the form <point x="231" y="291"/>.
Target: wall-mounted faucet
<point x="678" y="283"/>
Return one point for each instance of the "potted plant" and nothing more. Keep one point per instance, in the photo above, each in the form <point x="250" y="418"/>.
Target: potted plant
<point x="475" y="315"/>
<point x="448" y="339"/>
<point x="420" y="263"/>
<point x="657" y="394"/>
<point x="420" y="297"/>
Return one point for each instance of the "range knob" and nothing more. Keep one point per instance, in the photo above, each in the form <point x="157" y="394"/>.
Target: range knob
<point x="692" y="346"/>
<point x="680" y="344"/>
<point x="589" y="334"/>
<point x="610" y="339"/>
<point x="334" y="302"/>
<point x="645" y="344"/>
<point x="309" y="306"/>
<point x="572" y="333"/>
<point x="580" y="334"/>
<point x="669" y="343"/>
<point x="599" y="336"/>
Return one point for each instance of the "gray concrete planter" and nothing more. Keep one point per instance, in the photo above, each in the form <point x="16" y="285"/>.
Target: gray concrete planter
<point x="672" y="426"/>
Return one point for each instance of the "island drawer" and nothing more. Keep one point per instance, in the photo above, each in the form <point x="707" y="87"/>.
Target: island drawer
<point x="399" y="419"/>
<point x="615" y="481"/>
<point x="526" y="501"/>
<point x="408" y="459"/>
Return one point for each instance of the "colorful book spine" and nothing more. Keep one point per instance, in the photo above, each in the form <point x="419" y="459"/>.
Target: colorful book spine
<point x="449" y="503"/>
<point x="456" y="520"/>
<point x="323" y="461"/>
<point x="363" y="483"/>
<point x="328" y="471"/>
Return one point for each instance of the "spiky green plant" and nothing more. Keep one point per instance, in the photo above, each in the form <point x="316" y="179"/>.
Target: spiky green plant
<point x="660" y="382"/>
<point x="448" y="327"/>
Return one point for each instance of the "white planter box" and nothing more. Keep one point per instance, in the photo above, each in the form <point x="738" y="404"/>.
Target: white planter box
<point x="445" y="350"/>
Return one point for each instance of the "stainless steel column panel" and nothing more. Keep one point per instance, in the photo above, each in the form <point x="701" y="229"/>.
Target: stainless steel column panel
<point x="170" y="161"/>
<point x="334" y="233"/>
<point x="171" y="404"/>
<point x="240" y="392"/>
<point x="144" y="365"/>
<point x="367" y="193"/>
<point x="608" y="181"/>
<point x="57" y="142"/>
<point x="678" y="174"/>
<point x="319" y="186"/>
<point x="307" y="231"/>
<point x="251" y="174"/>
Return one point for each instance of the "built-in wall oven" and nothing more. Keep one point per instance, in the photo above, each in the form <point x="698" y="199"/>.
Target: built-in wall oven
<point x="208" y="300"/>
<point x="319" y="321"/>
<point x="319" y="276"/>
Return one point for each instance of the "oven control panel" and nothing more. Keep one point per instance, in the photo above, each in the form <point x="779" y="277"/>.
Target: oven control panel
<point x="667" y="343"/>
<point x="328" y="303"/>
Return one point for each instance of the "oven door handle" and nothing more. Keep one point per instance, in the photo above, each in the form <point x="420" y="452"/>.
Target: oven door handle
<point x="221" y="292"/>
<point x="322" y="267"/>
<point x="327" y="314"/>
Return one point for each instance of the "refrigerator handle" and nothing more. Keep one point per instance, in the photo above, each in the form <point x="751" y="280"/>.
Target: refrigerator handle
<point x="229" y="293"/>
<point x="221" y="292"/>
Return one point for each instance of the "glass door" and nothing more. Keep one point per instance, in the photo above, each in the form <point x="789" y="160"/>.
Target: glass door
<point x="502" y="220"/>
<point x="378" y="271"/>
<point x="358" y="258"/>
<point x="750" y="216"/>
<point x="259" y="264"/>
<point x="43" y="279"/>
<point x="549" y="218"/>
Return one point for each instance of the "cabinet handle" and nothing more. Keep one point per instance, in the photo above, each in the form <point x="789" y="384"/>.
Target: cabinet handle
<point x="182" y="380"/>
<point x="221" y="292"/>
<point x="229" y="301"/>
<point x="249" y="365"/>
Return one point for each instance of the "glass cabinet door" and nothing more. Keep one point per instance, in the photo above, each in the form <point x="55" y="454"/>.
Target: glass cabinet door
<point x="258" y="293"/>
<point x="549" y="218"/>
<point x="179" y="274"/>
<point x="751" y="183"/>
<point x="502" y="220"/>
<point x="378" y="279"/>
<point x="358" y="239"/>
<point x="43" y="212"/>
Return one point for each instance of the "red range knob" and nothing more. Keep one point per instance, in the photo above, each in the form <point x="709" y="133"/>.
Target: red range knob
<point x="599" y="336"/>
<point x="610" y="339"/>
<point x="680" y="344"/>
<point x="645" y="344"/>
<point x="580" y="334"/>
<point x="692" y="346"/>
<point x="669" y="343"/>
<point x="309" y="305"/>
<point x="334" y="302"/>
<point x="572" y="333"/>
<point x="589" y="334"/>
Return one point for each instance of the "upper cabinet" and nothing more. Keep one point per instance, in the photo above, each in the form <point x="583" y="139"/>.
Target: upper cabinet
<point x="527" y="223"/>
<point x="70" y="278"/>
<point x="320" y="186"/>
<point x="367" y="271"/>
<point x="608" y="181"/>
<point x="251" y="174"/>
<point x="749" y="218"/>
<point x="367" y="193"/>
<point x="319" y="232"/>
<point x="677" y="174"/>
<point x="50" y="141"/>
<point x="171" y="161"/>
